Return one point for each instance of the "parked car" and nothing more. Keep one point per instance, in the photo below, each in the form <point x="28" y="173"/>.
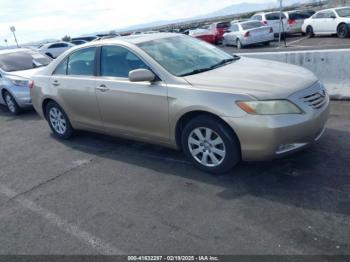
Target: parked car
<point x="53" y="50"/>
<point x="211" y="33"/>
<point x="328" y="22"/>
<point x="296" y="19"/>
<point x="241" y="34"/>
<point x="273" y="19"/>
<point x="78" y="42"/>
<point x="16" y="68"/>
<point x="177" y="91"/>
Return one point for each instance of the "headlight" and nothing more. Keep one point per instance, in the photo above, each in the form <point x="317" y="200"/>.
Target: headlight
<point x="18" y="81"/>
<point x="270" y="107"/>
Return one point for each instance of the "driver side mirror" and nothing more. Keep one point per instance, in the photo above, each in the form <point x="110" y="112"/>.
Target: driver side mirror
<point x="141" y="75"/>
<point x="333" y="16"/>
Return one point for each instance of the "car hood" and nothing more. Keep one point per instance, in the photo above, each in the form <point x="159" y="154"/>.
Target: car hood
<point x="26" y="73"/>
<point x="262" y="79"/>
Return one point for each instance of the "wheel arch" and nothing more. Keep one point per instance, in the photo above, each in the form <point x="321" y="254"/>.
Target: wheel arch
<point x="188" y="116"/>
<point x="44" y="105"/>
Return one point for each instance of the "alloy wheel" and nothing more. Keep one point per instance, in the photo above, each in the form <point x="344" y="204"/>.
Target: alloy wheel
<point x="206" y="147"/>
<point x="58" y="120"/>
<point x="10" y="103"/>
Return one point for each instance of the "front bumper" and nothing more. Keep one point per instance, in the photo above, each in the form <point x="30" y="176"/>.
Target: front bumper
<point x="268" y="137"/>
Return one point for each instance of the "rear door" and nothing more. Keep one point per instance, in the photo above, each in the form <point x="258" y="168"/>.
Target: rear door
<point x="330" y="22"/>
<point x="129" y="108"/>
<point x="273" y="20"/>
<point x="74" y="81"/>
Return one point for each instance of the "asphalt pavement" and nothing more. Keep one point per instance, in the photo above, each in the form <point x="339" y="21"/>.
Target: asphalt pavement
<point x="96" y="194"/>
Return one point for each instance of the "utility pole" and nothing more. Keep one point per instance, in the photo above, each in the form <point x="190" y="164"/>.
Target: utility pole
<point x="13" y="30"/>
<point x="281" y="27"/>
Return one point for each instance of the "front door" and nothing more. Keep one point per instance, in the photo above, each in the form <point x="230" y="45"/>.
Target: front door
<point x="137" y="109"/>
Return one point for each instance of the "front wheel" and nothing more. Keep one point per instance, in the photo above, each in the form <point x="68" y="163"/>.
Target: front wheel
<point x="58" y="121"/>
<point x="343" y="31"/>
<point x="210" y="145"/>
<point x="11" y="104"/>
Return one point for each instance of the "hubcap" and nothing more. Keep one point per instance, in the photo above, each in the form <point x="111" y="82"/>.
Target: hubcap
<point x="57" y="120"/>
<point x="206" y="147"/>
<point x="10" y="103"/>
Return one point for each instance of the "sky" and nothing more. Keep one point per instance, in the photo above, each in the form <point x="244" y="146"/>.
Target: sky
<point x="42" y="19"/>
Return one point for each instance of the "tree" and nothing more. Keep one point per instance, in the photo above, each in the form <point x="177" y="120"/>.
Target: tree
<point x="66" y="38"/>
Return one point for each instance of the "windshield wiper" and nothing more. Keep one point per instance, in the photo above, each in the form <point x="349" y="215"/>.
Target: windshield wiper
<point x="196" y="71"/>
<point x="225" y="61"/>
<point x="221" y="63"/>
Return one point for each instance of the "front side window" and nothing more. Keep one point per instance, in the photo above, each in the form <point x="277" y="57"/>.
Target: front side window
<point x="23" y="60"/>
<point x="183" y="55"/>
<point x="117" y="61"/>
<point x="82" y="62"/>
<point x="320" y="15"/>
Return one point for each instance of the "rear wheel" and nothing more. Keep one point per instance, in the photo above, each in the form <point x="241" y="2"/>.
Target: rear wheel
<point x="239" y="44"/>
<point x="11" y="103"/>
<point x="58" y="121"/>
<point x="210" y="145"/>
<point x="343" y="31"/>
<point x="267" y="43"/>
<point x="310" y="31"/>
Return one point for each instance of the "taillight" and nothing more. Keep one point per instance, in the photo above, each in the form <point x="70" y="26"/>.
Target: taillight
<point x="271" y="30"/>
<point x="246" y="34"/>
<point x="291" y="21"/>
<point x="31" y="84"/>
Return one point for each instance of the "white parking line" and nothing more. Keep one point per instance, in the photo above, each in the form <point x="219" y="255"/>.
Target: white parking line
<point x="89" y="239"/>
<point x="296" y="41"/>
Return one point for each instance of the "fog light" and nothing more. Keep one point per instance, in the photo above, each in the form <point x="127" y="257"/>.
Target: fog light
<point x="289" y="147"/>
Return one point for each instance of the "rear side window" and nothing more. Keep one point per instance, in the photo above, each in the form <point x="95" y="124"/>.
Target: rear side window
<point x="274" y="16"/>
<point x="61" y="69"/>
<point x="234" y="28"/>
<point x="257" y="17"/>
<point x="82" y="62"/>
<point x="117" y="61"/>
<point x="300" y="15"/>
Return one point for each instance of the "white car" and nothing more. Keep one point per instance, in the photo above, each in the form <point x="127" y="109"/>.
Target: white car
<point x="328" y="22"/>
<point x="245" y="33"/>
<point x="272" y="19"/>
<point x="55" y="49"/>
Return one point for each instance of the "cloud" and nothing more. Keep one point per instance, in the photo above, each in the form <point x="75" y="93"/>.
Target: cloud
<point x="39" y="19"/>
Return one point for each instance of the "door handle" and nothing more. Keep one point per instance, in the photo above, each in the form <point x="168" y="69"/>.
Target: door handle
<point x="55" y="83"/>
<point x="102" y="88"/>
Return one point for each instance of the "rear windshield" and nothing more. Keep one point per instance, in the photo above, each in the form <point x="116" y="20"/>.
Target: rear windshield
<point x="251" y="25"/>
<point x="274" y="16"/>
<point x="301" y="15"/>
<point x="23" y="60"/>
<point x="223" y="25"/>
<point x="344" y="12"/>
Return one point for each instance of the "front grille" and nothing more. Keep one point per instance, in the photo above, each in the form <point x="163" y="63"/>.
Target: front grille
<point x="316" y="100"/>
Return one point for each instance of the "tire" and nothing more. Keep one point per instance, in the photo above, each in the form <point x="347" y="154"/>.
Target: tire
<point x="11" y="103"/>
<point x="239" y="44"/>
<point x="58" y="121"/>
<point x="217" y="153"/>
<point x="267" y="43"/>
<point x="310" y="31"/>
<point x="343" y="31"/>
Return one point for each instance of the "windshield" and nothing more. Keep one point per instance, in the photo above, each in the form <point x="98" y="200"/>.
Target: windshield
<point x="343" y="12"/>
<point x="22" y="60"/>
<point x="182" y="55"/>
<point x="251" y="25"/>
